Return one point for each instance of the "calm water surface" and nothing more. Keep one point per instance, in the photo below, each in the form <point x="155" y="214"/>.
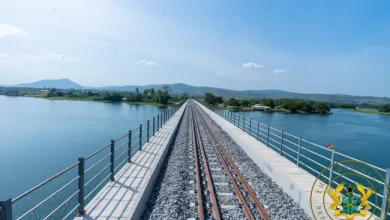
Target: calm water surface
<point x="39" y="137"/>
<point x="363" y="136"/>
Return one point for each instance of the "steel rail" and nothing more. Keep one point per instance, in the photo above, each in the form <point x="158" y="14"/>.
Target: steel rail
<point x="215" y="141"/>
<point x="245" y="208"/>
<point x="197" y="175"/>
<point x="210" y="183"/>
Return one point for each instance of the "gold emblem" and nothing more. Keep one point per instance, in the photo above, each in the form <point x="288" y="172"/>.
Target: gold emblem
<point x="349" y="205"/>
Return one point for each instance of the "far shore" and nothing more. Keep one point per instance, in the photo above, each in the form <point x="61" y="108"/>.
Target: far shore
<point x="368" y="111"/>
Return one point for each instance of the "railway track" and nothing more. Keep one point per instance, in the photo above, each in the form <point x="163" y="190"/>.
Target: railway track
<point x="218" y="184"/>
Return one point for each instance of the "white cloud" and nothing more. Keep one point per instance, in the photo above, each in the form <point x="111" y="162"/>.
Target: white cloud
<point x="4" y="57"/>
<point x="251" y="65"/>
<point x="146" y="63"/>
<point x="277" y="71"/>
<point x="9" y="30"/>
<point x="47" y="56"/>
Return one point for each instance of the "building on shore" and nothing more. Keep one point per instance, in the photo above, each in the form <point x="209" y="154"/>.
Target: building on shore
<point x="259" y="107"/>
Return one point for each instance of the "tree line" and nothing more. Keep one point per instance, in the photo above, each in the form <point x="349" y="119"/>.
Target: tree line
<point x="160" y="96"/>
<point x="292" y="105"/>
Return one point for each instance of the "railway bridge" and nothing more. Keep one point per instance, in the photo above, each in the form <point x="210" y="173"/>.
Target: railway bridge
<point x="195" y="161"/>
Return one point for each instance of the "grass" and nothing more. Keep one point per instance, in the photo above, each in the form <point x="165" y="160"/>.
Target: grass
<point x="368" y="111"/>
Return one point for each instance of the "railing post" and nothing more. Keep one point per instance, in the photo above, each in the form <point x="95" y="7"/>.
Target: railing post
<point x="158" y="122"/>
<point x="385" y="192"/>
<point x="154" y="125"/>
<point x="299" y="151"/>
<point x="140" y="136"/>
<point x="281" y="143"/>
<point x="147" y="131"/>
<point x="250" y="126"/>
<point x="112" y="177"/>
<point x="258" y="130"/>
<point x="331" y="169"/>
<point x="129" y="148"/>
<point x="6" y="209"/>
<point x="268" y="136"/>
<point x="234" y="119"/>
<point x="81" y="186"/>
<point x="243" y="123"/>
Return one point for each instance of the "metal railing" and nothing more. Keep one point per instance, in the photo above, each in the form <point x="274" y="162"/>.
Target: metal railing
<point x="87" y="176"/>
<point x="314" y="158"/>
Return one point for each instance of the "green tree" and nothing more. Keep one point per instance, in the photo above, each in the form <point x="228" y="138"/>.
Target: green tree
<point x="210" y="98"/>
<point x="233" y="102"/>
<point x="184" y="96"/>
<point x="384" y="108"/>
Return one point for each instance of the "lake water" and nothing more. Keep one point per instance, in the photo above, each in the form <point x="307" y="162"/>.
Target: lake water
<point x="39" y="137"/>
<point x="362" y="136"/>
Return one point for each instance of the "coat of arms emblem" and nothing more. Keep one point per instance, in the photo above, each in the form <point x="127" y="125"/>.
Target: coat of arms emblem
<point x="349" y="205"/>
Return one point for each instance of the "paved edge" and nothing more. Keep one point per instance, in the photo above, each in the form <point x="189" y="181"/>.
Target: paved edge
<point x="294" y="181"/>
<point x="140" y="206"/>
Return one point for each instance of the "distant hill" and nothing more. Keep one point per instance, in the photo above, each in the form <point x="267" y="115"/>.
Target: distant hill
<point x="179" y="88"/>
<point x="49" y="83"/>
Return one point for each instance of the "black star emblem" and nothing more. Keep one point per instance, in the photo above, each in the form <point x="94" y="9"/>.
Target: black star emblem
<point x="350" y="189"/>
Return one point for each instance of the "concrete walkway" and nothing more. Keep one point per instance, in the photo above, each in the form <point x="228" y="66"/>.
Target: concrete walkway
<point x="127" y="196"/>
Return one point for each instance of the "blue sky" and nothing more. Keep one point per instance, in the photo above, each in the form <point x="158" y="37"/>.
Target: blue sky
<point x="300" y="46"/>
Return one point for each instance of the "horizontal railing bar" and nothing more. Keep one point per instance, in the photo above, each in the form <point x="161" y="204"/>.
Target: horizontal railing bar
<point x="312" y="169"/>
<point x="274" y="140"/>
<point x="316" y="145"/>
<point x="289" y="148"/>
<point x="94" y="177"/>
<point x="71" y="211"/>
<point x="284" y="139"/>
<point x="315" y="162"/>
<point x="291" y="135"/>
<point x="275" y="129"/>
<point x="97" y="163"/>
<point x="44" y="182"/>
<point x="67" y="200"/>
<point x="97" y="186"/>
<point x="96" y="152"/>
<point x="365" y="175"/>
<point x="273" y="146"/>
<point x="284" y="152"/>
<point x="304" y="148"/>
<point x="278" y="136"/>
<point x="121" y="146"/>
<point x="125" y="151"/>
<point x="125" y="135"/>
<point x="361" y="161"/>
<point x="263" y="130"/>
<point x="262" y="139"/>
<point x="262" y="134"/>
<point x="120" y="164"/>
<point x="353" y="181"/>
<point x="47" y="198"/>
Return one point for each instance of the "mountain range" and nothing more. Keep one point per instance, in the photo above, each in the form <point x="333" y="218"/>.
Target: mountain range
<point x="179" y="88"/>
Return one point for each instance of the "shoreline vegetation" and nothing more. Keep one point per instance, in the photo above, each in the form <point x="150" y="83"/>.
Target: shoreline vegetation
<point x="293" y="106"/>
<point x="296" y="106"/>
<point x="367" y="111"/>
<point x="161" y="97"/>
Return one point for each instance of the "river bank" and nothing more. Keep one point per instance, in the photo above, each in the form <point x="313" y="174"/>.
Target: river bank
<point x="101" y="100"/>
<point x="367" y="111"/>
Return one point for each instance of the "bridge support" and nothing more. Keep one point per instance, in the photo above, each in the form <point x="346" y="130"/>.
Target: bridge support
<point x="6" y="209"/>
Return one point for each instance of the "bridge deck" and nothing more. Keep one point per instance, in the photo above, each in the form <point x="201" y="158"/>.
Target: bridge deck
<point x="126" y="197"/>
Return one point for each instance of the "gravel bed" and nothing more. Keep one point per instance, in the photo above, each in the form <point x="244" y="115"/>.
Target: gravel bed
<point x="278" y="204"/>
<point x="170" y="198"/>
